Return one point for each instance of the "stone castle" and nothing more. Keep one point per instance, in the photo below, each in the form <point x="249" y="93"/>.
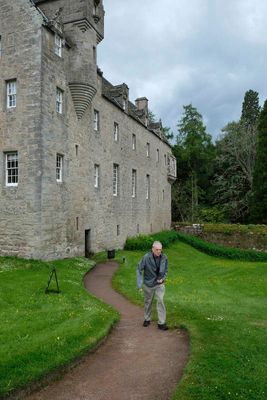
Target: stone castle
<point x="82" y="167"/>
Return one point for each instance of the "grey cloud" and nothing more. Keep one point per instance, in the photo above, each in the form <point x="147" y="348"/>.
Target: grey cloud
<point x="204" y="52"/>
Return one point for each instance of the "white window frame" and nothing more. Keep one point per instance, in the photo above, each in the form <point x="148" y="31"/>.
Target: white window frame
<point x="116" y="132"/>
<point x="115" y="180"/>
<point x="134" y="174"/>
<point x="59" y="167"/>
<point x="12" y="168"/>
<point x="96" y="175"/>
<point x="11" y="93"/>
<point x="148" y="150"/>
<point x="134" y="141"/>
<point x="58" y="44"/>
<point x="59" y="101"/>
<point x="147" y="187"/>
<point x="96" y="120"/>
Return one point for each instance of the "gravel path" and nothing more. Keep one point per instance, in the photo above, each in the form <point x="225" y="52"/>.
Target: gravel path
<point x="134" y="363"/>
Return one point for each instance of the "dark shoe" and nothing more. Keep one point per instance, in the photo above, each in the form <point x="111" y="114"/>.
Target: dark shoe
<point x="146" y="323"/>
<point x="163" y="327"/>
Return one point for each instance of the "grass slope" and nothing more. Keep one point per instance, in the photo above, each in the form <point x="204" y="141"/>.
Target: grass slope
<point x="222" y="303"/>
<point x="41" y="332"/>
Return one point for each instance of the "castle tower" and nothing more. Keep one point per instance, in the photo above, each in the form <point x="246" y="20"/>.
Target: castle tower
<point x="82" y="26"/>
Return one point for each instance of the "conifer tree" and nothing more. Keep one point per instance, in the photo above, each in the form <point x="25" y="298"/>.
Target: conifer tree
<point x="258" y="203"/>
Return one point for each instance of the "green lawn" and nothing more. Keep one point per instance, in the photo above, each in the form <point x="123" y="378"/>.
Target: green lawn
<point x="223" y="305"/>
<point x="41" y="332"/>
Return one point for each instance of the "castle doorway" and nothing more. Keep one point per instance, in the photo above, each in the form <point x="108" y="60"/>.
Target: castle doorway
<point x="87" y="252"/>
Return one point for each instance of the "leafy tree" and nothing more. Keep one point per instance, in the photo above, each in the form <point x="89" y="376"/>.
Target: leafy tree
<point x="194" y="152"/>
<point x="258" y="203"/>
<point x="236" y="151"/>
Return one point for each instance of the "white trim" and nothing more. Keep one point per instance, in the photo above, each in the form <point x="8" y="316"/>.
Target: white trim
<point x="12" y="168"/>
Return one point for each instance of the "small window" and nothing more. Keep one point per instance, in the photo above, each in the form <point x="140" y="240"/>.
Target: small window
<point x="147" y="187"/>
<point x="96" y="120"/>
<point x="165" y="159"/>
<point x="148" y="150"/>
<point x="115" y="179"/>
<point x="163" y="195"/>
<point x="0" y="46"/>
<point x="124" y="104"/>
<point x="134" y="183"/>
<point x="118" y="230"/>
<point x="133" y="141"/>
<point x="11" y="89"/>
<point x="58" y="45"/>
<point x="95" y="54"/>
<point x="116" y="132"/>
<point x="96" y="176"/>
<point x="59" y="101"/>
<point x="137" y="228"/>
<point x="12" y="169"/>
<point x="59" y="168"/>
<point x="157" y="155"/>
<point x="77" y="223"/>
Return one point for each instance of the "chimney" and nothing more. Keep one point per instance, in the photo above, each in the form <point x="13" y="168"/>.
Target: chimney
<point x="142" y="104"/>
<point x="142" y="107"/>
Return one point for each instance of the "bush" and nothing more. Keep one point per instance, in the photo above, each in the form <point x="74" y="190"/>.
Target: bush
<point x="220" y="251"/>
<point x="145" y="242"/>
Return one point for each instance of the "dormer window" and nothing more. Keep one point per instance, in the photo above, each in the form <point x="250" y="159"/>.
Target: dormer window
<point x="124" y="104"/>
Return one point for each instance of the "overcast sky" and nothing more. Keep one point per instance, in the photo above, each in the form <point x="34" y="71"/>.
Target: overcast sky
<point x="204" y="52"/>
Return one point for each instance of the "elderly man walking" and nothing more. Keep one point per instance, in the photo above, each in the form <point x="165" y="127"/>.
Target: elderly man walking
<point x="154" y="267"/>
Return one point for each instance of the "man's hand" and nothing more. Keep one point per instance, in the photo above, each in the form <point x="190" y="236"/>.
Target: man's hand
<point x="140" y="290"/>
<point x="160" y="280"/>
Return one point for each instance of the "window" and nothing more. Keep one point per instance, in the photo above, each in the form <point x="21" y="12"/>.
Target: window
<point x="11" y="89"/>
<point x="0" y="46"/>
<point x="116" y="132"/>
<point x="58" y="45"/>
<point x="157" y="155"/>
<point x="59" y="101"/>
<point x="115" y="179"/>
<point x="124" y="104"/>
<point x="118" y="230"/>
<point x="165" y="159"/>
<point x="134" y="183"/>
<point x="96" y="120"/>
<point x="163" y="195"/>
<point x="12" y="169"/>
<point x="137" y="228"/>
<point x="148" y="150"/>
<point x="59" y="168"/>
<point x="134" y="141"/>
<point x="96" y="176"/>
<point x="147" y="187"/>
<point x="95" y="54"/>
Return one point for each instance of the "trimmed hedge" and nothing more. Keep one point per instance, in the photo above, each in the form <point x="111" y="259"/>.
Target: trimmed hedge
<point x="220" y="251"/>
<point x="144" y="243"/>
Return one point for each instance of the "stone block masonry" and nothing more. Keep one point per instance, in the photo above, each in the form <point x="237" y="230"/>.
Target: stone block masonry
<point x="81" y="186"/>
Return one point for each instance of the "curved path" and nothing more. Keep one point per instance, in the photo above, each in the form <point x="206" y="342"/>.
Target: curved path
<point x="134" y="363"/>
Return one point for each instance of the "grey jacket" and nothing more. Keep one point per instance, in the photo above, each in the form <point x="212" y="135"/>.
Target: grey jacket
<point x="148" y="265"/>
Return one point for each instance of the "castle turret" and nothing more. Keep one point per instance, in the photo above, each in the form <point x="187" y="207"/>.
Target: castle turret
<point x="83" y="24"/>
